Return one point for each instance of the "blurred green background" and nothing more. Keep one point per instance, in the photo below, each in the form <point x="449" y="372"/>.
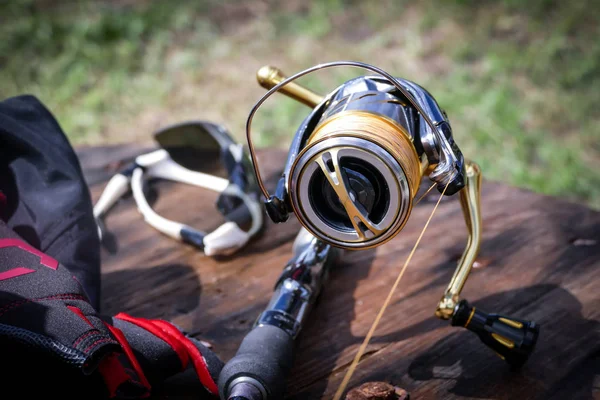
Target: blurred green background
<point x="520" y="80"/>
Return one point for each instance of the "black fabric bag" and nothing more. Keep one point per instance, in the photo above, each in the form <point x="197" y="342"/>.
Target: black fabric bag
<point x="43" y="194"/>
<point x="46" y="320"/>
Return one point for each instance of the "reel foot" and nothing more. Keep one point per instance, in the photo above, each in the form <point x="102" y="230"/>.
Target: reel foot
<point x="512" y="339"/>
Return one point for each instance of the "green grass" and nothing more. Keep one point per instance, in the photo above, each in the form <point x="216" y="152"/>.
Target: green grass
<point x="519" y="80"/>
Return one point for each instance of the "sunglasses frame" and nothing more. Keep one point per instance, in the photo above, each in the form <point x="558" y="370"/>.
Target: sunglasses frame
<point x="158" y="164"/>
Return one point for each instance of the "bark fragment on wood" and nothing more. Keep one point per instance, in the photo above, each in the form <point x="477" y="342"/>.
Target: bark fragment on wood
<point x="377" y="391"/>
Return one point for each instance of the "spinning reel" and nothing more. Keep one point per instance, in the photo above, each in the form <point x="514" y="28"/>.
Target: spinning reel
<point x="355" y="166"/>
<point x="352" y="173"/>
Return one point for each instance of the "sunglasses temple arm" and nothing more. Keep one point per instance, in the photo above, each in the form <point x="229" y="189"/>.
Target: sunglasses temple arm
<point x="166" y="226"/>
<point x="170" y="170"/>
<point x="114" y="190"/>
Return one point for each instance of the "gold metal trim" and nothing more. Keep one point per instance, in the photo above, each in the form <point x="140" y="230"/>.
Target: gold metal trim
<point x="510" y="322"/>
<point x="379" y="129"/>
<point x="268" y="77"/>
<point x="337" y="182"/>
<point x="470" y="201"/>
<point x="424" y="164"/>
<point x="504" y="341"/>
<point x="470" y="317"/>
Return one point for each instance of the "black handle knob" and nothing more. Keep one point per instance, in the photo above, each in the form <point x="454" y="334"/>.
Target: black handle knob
<point x="512" y="339"/>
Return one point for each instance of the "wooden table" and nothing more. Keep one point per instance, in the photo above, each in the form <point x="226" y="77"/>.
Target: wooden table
<point x="540" y="260"/>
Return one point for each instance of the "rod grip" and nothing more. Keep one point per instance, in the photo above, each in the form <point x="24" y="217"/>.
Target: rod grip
<point x="266" y="356"/>
<point x="512" y="339"/>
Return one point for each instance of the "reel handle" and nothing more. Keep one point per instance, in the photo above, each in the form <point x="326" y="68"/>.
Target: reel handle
<point x="512" y="339"/>
<point x="268" y="77"/>
<point x="470" y="201"/>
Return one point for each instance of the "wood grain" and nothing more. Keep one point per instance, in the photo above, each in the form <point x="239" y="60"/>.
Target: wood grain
<point x="540" y="260"/>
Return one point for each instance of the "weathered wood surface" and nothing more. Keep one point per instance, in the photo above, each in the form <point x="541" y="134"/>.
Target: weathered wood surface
<point x="540" y="260"/>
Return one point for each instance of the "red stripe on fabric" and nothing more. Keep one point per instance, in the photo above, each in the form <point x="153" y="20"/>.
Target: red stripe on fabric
<point x="80" y="314"/>
<point x="13" y="273"/>
<point x="148" y="325"/>
<point x="96" y="343"/>
<point x="197" y="359"/>
<point x="113" y="373"/>
<point x="44" y="258"/>
<point x="85" y="336"/>
<point x="116" y="332"/>
<point x="175" y="336"/>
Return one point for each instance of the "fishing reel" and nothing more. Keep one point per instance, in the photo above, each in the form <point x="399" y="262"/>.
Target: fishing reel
<point x="355" y="166"/>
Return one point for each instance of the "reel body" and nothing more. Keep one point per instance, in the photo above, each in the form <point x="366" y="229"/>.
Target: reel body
<point x="354" y="168"/>
<point x="354" y="180"/>
<point x="356" y="162"/>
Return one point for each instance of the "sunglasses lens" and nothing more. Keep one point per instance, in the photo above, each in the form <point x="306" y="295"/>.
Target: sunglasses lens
<point x="193" y="147"/>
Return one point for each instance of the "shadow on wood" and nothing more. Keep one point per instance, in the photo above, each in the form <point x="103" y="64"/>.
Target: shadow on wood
<point x="460" y="360"/>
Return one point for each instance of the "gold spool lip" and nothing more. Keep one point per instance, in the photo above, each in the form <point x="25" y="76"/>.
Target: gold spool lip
<point x="363" y="119"/>
<point x="389" y="233"/>
<point x="389" y="145"/>
<point x="363" y="114"/>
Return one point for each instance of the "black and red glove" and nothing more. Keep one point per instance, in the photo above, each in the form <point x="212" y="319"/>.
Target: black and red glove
<point x="163" y="351"/>
<point x="53" y="341"/>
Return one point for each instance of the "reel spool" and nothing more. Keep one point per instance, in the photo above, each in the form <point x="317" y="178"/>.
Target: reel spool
<point x="357" y="162"/>
<point x="354" y="182"/>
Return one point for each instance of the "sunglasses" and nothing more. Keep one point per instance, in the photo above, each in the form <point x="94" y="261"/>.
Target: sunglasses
<point x="201" y="154"/>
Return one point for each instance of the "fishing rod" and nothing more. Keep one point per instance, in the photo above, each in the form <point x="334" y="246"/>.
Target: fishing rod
<point x="352" y="173"/>
<point x="260" y="367"/>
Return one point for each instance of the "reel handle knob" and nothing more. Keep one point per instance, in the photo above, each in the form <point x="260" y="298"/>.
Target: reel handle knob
<point x="269" y="76"/>
<point x="512" y="339"/>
